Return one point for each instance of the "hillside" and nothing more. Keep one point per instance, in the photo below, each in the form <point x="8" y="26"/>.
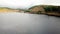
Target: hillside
<point x="6" y="9"/>
<point x="46" y="9"/>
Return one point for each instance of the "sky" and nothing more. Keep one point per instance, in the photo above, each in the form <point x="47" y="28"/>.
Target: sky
<point x="27" y="3"/>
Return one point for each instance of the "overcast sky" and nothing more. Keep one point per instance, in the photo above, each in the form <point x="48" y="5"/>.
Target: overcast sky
<point x="27" y="3"/>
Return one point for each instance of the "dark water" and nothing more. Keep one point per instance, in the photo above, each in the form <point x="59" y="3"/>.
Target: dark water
<point x="20" y="23"/>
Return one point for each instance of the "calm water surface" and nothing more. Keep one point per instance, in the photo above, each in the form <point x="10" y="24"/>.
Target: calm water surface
<point x="22" y="23"/>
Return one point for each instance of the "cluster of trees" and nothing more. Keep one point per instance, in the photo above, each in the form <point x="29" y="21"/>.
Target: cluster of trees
<point x="52" y="9"/>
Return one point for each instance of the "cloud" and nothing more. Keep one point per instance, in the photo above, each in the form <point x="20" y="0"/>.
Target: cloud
<point x="52" y="2"/>
<point x="27" y="3"/>
<point x="20" y="3"/>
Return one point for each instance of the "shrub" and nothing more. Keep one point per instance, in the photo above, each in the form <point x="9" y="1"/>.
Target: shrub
<point x="27" y="11"/>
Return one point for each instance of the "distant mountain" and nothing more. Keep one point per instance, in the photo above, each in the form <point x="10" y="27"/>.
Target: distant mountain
<point x="6" y="9"/>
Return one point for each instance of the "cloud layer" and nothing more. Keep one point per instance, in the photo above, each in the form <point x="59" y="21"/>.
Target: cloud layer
<point x="27" y="3"/>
